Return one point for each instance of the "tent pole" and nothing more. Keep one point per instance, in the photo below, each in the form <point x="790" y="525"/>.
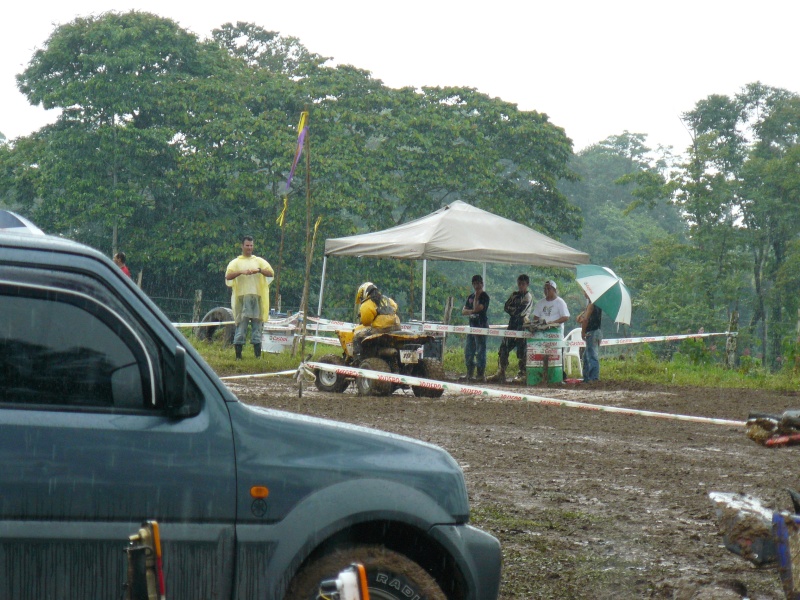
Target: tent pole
<point x="484" y="274"/>
<point x="322" y="285"/>
<point x="424" y="285"/>
<point x="321" y="290"/>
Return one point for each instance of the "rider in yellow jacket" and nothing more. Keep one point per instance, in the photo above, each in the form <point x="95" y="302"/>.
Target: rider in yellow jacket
<point x="377" y="314"/>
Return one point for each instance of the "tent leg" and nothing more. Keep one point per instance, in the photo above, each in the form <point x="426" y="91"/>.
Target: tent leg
<point x="424" y="286"/>
<point x="321" y="290"/>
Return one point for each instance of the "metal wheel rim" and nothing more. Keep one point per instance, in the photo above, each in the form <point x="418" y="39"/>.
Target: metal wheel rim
<point x="327" y="378"/>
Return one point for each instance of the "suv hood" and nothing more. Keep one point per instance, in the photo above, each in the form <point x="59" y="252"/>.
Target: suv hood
<point x="299" y="455"/>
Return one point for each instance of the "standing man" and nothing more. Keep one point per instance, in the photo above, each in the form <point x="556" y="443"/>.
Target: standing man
<point x="247" y="276"/>
<point x="518" y="306"/>
<point x="476" y="309"/>
<point x="592" y="334"/>
<point x="551" y="310"/>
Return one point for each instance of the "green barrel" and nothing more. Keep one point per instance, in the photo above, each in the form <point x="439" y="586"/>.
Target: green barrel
<point x="545" y="344"/>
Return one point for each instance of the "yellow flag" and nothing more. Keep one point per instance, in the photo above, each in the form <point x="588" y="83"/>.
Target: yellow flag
<point x="282" y="216"/>
<point x="303" y="118"/>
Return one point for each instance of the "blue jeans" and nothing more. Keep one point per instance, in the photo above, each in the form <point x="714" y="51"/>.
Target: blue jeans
<point x="241" y="331"/>
<point x="475" y="352"/>
<point x="591" y="355"/>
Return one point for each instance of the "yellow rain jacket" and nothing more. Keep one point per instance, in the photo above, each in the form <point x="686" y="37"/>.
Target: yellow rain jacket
<point x="380" y="317"/>
<point x="248" y="285"/>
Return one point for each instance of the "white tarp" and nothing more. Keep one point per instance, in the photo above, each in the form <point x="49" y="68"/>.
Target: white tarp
<point x="459" y="231"/>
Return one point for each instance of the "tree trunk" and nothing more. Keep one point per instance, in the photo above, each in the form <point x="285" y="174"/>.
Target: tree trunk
<point x="198" y="298"/>
<point x="730" y="343"/>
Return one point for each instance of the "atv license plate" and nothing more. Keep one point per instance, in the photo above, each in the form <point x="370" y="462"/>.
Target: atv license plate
<point x="409" y="357"/>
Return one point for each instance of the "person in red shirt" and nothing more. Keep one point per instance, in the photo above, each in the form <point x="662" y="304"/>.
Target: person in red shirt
<point x="119" y="259"/>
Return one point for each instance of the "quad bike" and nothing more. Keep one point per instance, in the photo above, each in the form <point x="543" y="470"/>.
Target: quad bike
<point x="750" y="529"/>
<point x="400" y="353"/>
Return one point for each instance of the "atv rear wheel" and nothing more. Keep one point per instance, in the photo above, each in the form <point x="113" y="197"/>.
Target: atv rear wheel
<point x="328" y="381"/>
<point x="373" y="387"/>
<point x="221" y="313"/>
<point x="430" y="369"/>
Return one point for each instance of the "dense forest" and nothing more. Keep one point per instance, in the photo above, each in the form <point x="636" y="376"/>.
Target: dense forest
<point x="171" y="147"/>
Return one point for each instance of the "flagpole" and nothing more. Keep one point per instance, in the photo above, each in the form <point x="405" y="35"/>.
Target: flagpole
<point x="309" y="250"/>
<point x="282" y="222"/>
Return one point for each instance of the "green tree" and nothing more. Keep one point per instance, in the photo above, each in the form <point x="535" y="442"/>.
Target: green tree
<point x="112" y="77"/>
<point x="177" y="146"/>
<point x="738" y="192"/>
<point x="618" y="223"/>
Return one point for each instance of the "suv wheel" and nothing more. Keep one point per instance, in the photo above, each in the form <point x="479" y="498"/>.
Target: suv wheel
<point x="390" y="575"/>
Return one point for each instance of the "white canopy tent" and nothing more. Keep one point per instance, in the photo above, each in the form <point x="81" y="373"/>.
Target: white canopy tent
<point x="458" y="231"/>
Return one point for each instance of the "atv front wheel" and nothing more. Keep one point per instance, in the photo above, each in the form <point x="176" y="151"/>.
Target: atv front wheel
<point x="329" y="381"/>
<point x="373" y="387"/>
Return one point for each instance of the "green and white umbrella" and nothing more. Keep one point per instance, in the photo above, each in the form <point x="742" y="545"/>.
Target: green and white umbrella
<point x="606" y="290"/>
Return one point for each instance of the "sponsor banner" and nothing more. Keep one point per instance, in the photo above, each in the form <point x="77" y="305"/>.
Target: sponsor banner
<point x="470" y="390"/>
<point x="551" y="356"/>
<point x="322" y="340"/>
<point x="205" y="324"/>
<point x="278" y="339"/>
<point x="539" y="364"/>
<point x="490" y="331"/>
<point x="329" y="325"/>
<point x="272" y="323"/>
<point x="657" y="338"/>
<point x="554" y="339"/>
<point x="257" y="375"/>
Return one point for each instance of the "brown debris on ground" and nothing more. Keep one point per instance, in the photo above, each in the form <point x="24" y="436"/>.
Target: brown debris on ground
<point x="589" y="504"/>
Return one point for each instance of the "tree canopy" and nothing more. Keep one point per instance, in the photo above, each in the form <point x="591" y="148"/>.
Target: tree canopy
<point x="172" y="147"/>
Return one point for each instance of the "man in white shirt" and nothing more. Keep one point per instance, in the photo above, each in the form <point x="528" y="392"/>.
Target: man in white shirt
<point x="551" y="310"/>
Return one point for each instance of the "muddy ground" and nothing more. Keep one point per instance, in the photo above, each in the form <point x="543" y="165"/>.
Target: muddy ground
<point x="591" y="504"/>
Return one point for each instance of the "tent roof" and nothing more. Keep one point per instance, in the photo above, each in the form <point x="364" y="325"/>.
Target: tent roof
<point x="459" y="231"/>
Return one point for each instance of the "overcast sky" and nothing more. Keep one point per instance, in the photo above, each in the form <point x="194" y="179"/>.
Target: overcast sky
<point x="595" y="68"/>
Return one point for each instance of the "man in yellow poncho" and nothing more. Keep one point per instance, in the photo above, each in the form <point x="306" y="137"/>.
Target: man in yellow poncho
<point x="377" y="313"/>
<point x="249" y="278"/>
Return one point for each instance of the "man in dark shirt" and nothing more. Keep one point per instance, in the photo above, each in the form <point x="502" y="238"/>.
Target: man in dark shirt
<point x="518" y="306"/>
<point x="591" y="333"/>
<point x="476" y="309"/>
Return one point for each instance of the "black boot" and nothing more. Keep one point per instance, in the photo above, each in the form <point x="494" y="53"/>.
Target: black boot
<point x="481" y="375"/>
<point x="468" y="376"/>
<point x="238" y="348"/>
<point x="257" y="350"/>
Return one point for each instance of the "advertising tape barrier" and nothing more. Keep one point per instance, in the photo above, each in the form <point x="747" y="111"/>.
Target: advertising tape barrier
<point x="470" y="390"/>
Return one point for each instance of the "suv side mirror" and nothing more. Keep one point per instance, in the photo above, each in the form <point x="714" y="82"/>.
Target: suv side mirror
<point x="175" y="383"/>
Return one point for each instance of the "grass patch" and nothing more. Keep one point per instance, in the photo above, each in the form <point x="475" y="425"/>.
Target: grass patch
<point x="222" y="358"/>
<point x="683" y="371"/>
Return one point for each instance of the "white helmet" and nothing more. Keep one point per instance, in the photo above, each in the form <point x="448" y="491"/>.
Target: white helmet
<point x="364" y="291"/>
